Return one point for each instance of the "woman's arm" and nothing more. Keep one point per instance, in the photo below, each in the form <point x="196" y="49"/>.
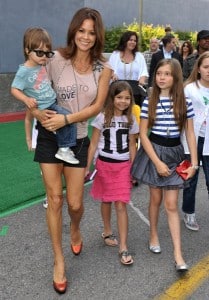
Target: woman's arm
<point x="161" y="167"/>
<point x="143" y="80"/>
<point x="143" y="73"/>
<point x="56" y="121"/>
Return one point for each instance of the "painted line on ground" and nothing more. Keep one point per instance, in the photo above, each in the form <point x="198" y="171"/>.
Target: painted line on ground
<point x="4" y="230"/>
<point x="188" y="283"/>
<point x="12" y="116"/>
<point x="139" y="213"/>
<point x="179" y="290"/>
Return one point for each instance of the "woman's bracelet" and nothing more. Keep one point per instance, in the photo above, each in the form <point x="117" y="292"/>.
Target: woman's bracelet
<point x="66" y="120"/>
<point x="195" y="167"/>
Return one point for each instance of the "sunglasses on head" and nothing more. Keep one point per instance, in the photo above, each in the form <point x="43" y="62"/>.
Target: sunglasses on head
<point x="41" y="53"/>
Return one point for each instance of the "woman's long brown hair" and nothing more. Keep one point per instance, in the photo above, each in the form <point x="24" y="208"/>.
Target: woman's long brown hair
<point x="80" y="16"/>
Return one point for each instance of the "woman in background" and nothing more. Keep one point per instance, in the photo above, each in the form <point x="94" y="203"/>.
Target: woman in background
<point x="127" y="62"/>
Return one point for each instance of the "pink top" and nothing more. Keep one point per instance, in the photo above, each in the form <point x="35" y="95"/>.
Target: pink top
<point x="74" y="91"/>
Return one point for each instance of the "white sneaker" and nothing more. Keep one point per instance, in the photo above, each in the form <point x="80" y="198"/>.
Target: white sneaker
<point x="67" y="155"/>
<point x="45" y="203"/>
<point x="191" y="222"/>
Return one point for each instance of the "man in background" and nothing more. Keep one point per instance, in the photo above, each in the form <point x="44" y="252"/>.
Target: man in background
<point x="154" y="47"/>
<point x="202" y="46"/>
<point x="169" y="44"/>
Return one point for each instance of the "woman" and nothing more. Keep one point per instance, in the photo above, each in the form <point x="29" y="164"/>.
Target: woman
<point x="197" y="89"/>
<point x="127" y="62"/>
<point x="186" y="49"/>
<point x="81" y="79"/>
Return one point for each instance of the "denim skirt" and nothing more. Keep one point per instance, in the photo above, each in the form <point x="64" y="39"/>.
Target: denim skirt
<point x="144" y="171"/>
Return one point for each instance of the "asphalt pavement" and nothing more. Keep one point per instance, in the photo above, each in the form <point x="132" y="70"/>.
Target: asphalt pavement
<point x="26" y="261"/>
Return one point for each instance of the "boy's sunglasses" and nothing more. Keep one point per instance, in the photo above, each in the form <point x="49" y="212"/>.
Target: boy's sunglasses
<point x="41" y="53"/>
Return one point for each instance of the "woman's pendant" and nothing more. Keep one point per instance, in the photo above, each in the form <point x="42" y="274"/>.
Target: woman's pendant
<point x="168" y="132"/>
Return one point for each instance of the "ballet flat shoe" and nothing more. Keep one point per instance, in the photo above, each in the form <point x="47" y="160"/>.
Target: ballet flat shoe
<point x="60" y="288"/>
<point x="76" y="249"/>
<point x="181" y="268"/>
<point x="155" y="249"/>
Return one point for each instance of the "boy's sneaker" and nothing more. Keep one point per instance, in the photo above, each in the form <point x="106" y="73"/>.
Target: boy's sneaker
<point x="67" y="155"/>
<point x="191" y="222"/>
<point x="45" y="203"/>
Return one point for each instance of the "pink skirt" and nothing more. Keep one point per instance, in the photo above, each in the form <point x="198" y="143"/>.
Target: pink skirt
<point x="112" y="182"/>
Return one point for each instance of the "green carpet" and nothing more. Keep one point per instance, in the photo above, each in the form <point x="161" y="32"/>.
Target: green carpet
<point x="21" y="180"/>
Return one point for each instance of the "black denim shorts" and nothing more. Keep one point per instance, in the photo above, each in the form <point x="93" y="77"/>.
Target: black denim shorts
<point x="47" y="147"/>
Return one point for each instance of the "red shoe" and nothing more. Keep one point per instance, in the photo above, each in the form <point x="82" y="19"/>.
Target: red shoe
<point x="60" y="288"/>
<point x="76" y="249"/>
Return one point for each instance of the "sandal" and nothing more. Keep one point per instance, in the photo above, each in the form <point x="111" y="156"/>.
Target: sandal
<point x="123" y="257"/>
<point x="110" y="240"/>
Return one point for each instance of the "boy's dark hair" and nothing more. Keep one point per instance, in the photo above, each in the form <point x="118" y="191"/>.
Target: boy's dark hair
<point x="35" y="37"/>
<point x="167" y="39"/>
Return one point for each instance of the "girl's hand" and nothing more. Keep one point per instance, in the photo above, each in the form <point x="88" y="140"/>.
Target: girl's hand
<point x="163" y="169"/>
<point x="54" y="121"/>
<point x="190" y="172"/>
<point x="87" y="172"/>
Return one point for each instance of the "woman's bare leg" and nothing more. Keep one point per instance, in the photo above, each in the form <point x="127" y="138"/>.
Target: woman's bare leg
<point x="171" y="206"/>
<point x="154" y="207"/>
<point x="53" y="183"/>
<point x="74" y="192"/>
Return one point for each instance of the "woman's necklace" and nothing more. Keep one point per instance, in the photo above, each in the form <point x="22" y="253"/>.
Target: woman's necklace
<point x="127" y="59"/>
<point x="81" y="68"/>
<point x="77" y="87"/>
<point x="127" y="75"/>
<point x="166" y="112"/>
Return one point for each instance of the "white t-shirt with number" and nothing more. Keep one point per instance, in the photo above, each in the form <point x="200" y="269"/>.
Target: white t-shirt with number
<point x="114" y="140"/>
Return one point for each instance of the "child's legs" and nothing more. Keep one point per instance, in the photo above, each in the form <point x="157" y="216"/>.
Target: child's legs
<point x="171" y="206"/>
<point x="122" y="220"/>
<point x="106" y="217"/>
<point x="154" y="207"/>
<point x="66" y="136"/>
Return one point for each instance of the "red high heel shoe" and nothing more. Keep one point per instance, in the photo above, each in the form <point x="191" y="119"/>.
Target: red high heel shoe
<point x="60" y="288"/>
<point x="76" y="249"/>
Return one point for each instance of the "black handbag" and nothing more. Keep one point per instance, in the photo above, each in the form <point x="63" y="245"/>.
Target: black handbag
<point x="139" y="92"/>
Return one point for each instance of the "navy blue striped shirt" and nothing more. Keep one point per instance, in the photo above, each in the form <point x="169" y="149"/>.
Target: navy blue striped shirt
<point x="165" y="124"/>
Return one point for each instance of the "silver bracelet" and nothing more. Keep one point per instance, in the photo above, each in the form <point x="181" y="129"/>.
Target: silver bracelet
<point x="66" y="120"/>
<point x="195" y="167"/>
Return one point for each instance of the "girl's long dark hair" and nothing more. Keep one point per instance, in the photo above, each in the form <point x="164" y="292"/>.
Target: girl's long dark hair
<point x="176" y="94"/>
<point x="116" y="88"/>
